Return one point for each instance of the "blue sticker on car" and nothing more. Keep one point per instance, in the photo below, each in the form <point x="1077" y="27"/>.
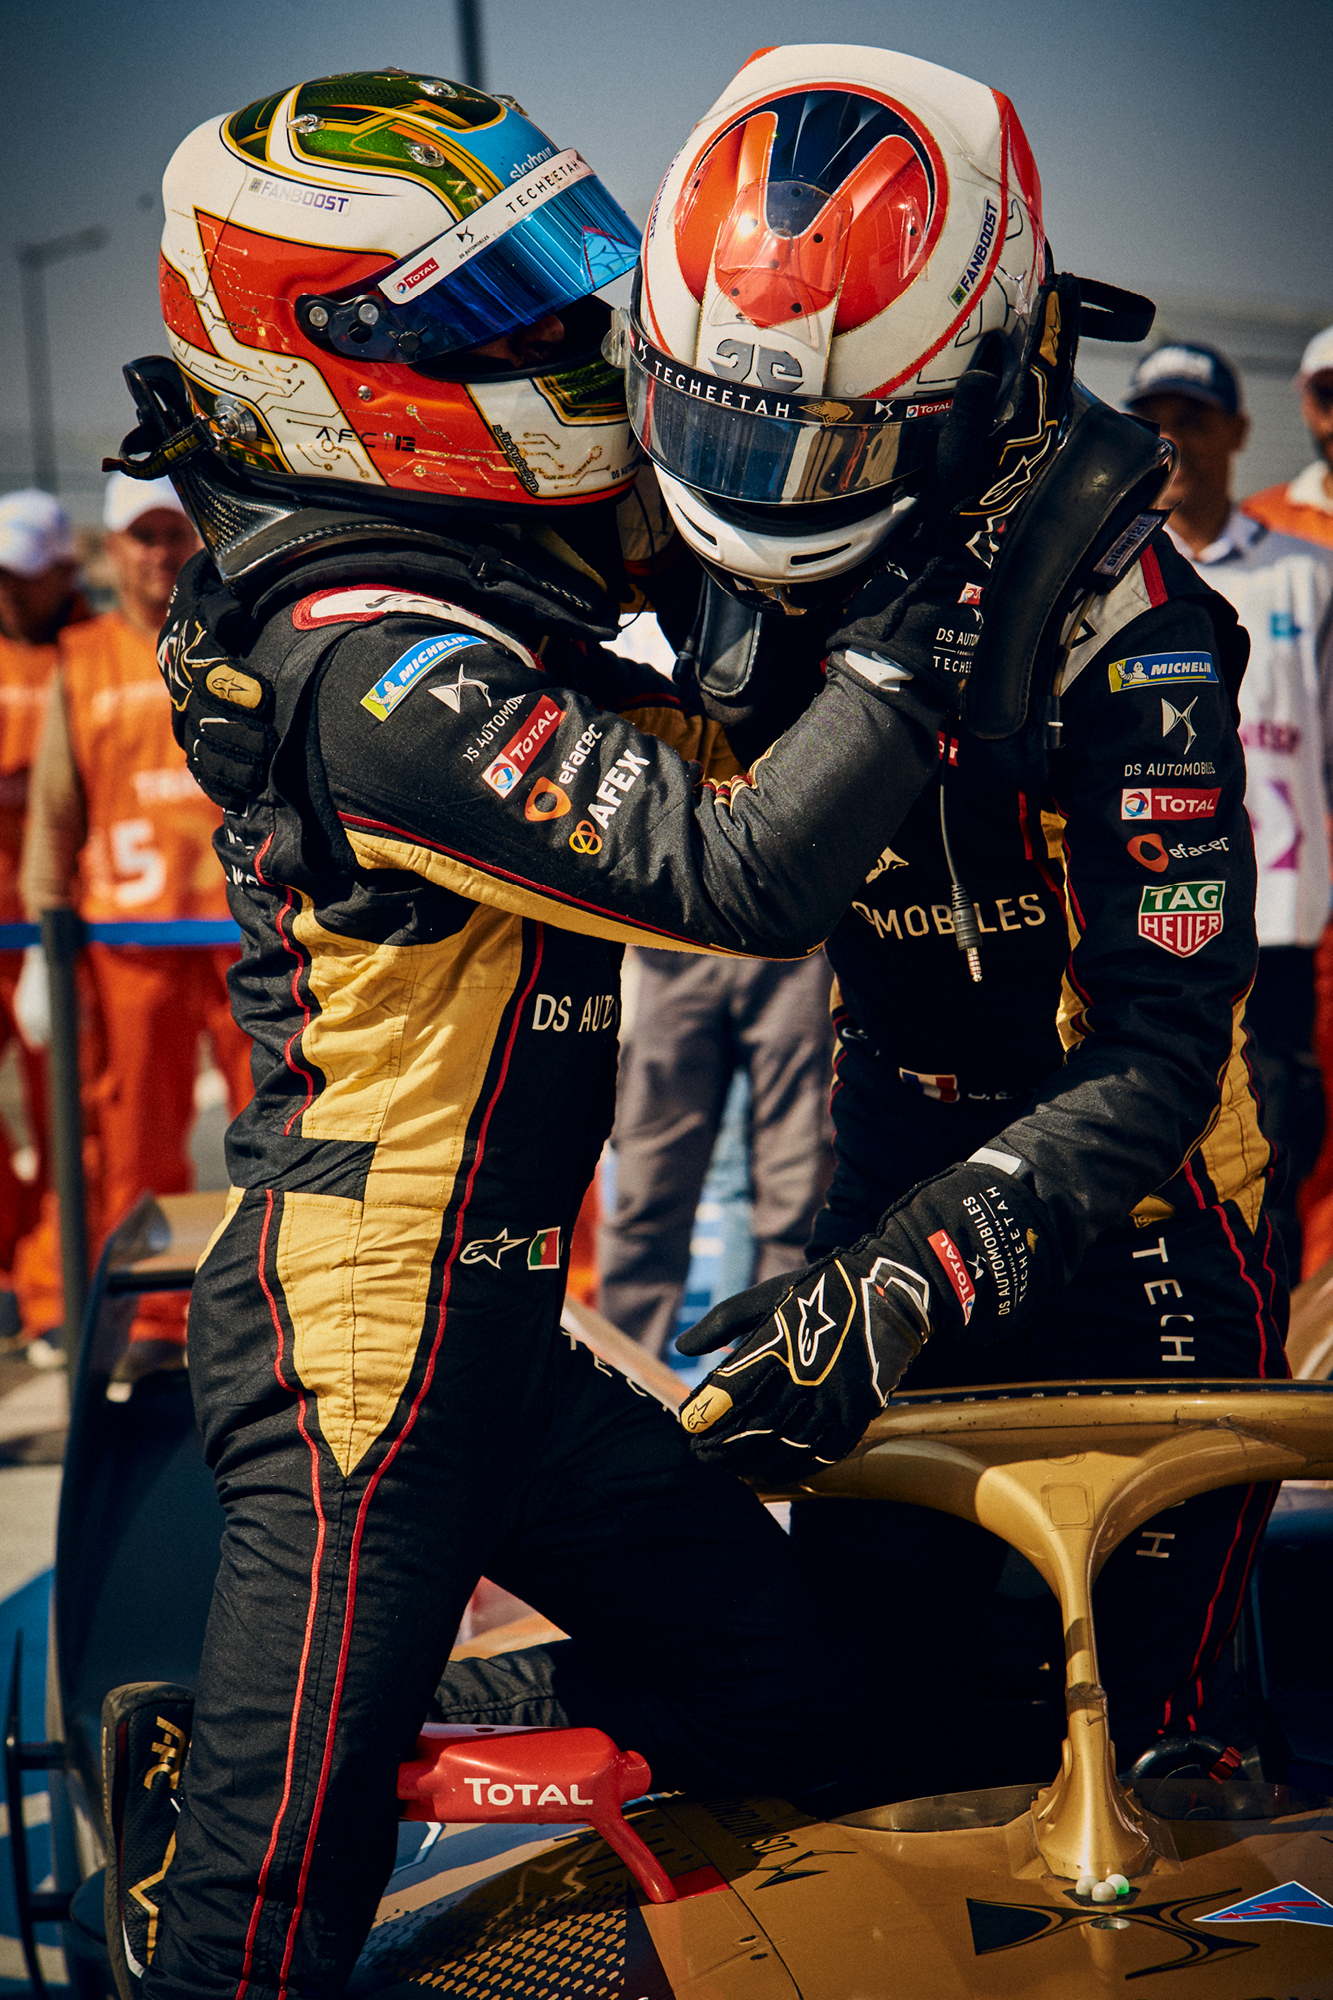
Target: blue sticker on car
<point x="1293" y="1903"/>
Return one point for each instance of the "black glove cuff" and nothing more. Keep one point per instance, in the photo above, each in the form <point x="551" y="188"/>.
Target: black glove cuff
<point x="987" y="1243"/>
<point x="228" y="751"/>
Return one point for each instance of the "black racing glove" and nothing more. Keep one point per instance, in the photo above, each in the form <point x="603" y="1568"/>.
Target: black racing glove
<point x="222" y="714"/>
<point x="923" y="613"/>
<point x="823" y="1349"/>
<point x="928" y="627"/>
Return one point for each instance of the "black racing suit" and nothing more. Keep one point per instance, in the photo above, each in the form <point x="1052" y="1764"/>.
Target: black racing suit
<point x="434" y="888"/>
<point x="1114" y="885"/>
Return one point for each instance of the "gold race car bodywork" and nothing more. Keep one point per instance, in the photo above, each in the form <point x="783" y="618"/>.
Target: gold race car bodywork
<point x="970" y="1894"/>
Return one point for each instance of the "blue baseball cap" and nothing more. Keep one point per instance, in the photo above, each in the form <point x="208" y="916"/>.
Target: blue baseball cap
<point x="1182" y="369"/>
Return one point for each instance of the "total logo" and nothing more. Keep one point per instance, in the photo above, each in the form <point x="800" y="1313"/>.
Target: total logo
<point x="1193" y="803"/>
<point x="503" y="1795"/>
<point x="411" y="279"/>
<point x="503" y="772"/>
<point x="955" y="1269"/>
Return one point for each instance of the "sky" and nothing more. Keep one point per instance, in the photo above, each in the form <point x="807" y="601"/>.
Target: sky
<point x="1184" y="144"/>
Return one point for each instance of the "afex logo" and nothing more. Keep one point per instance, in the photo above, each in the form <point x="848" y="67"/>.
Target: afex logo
<point x="504" y="772"/>
<point x="1188" y="803"/>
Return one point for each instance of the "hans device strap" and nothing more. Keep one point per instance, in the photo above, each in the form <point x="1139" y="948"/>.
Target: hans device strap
<point x="725" y="642"/>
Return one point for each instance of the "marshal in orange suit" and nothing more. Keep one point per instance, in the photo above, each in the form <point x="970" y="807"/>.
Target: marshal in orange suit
<point x="119" y="829"/>
<point x="38" y="595"/>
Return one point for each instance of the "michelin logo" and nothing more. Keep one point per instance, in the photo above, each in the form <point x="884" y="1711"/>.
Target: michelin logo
<point x="1154" y="669"/>
<point x="408" y="669"/>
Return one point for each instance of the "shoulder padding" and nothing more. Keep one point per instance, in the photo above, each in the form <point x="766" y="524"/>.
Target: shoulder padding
<point x="1092" y="626"/>
<point x="1107" y="470"/>
<point x="370" y="604"/>
<point x="1181" y="580"/>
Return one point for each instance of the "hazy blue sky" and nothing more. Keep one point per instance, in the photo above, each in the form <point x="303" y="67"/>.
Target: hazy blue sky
<point x="1182" y="143"/>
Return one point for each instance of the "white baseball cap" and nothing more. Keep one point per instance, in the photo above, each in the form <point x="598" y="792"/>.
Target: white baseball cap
<point x="1317" y="357"/>
<point x="35" y="532"/>
<point x="127" y="500"/>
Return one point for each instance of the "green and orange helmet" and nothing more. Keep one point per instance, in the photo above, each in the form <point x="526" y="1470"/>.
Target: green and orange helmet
<point x="334" y="255"/>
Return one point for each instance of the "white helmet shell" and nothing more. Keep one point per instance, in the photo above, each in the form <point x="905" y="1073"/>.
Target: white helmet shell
<point x="934" y="193"/>
<point x="331" y="250"/>
<point x="840" y="232"/>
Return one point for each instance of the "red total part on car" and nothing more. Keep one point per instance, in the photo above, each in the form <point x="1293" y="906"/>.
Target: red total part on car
<point x="465" y="1772"/>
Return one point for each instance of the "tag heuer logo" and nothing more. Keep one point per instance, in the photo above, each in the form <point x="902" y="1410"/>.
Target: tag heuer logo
<point x="1181" y="916"/>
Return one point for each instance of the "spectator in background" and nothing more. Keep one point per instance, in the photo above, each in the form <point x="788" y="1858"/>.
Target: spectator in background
<point x="1282" y="590"/>
<point x="1304" y="506"/>
<point x="38" y="595"/>
<point x="118" y="828"/>
<point x="697" y="1021"/>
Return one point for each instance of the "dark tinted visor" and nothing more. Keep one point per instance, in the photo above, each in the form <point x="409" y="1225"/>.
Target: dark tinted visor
<point x="743" y="442"/>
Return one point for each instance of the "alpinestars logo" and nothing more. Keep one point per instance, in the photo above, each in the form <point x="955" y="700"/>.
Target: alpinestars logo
<point x="810" y="1326"/>
<point x="543" y="1249"/>
<point x="815" y="1322"/>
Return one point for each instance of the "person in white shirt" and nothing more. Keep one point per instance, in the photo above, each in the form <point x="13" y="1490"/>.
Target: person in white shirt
<point x="1282" y="589"/>
<point x="1304" y="505"/>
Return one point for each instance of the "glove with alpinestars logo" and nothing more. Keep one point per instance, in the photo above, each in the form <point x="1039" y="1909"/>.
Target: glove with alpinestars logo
<point x="822" y="1350"/>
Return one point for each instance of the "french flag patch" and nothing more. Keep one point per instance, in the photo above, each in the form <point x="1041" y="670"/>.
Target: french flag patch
<point x="944" y="1089"/>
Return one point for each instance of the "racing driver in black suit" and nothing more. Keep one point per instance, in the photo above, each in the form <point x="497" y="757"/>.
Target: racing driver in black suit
<point x="1049" y="1163"/>
<point x="447" y="809"/>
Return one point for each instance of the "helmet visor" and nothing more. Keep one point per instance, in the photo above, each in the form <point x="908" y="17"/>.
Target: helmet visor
<point x="743" y="441"/>
<point x="553" y="237"/>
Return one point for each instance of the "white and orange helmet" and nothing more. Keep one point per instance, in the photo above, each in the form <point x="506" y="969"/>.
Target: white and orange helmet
<point x="333" y="254"/>
<point x="825" y="254"/>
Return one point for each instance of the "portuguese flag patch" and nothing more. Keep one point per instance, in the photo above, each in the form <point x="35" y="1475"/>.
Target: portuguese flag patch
<point x="544" y="1251"/>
